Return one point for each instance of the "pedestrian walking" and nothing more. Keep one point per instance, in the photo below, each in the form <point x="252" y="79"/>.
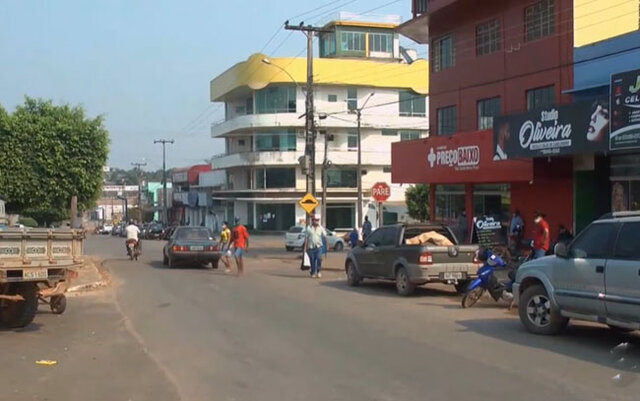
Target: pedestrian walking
<point x="353" y="238"/>
<point x="240" y="240"/>
<point x="315" y="237"/>
<point x="225" y="246"/>
<point x="540" y="235"/>
<point x="516" y="230"/>
<point x="366" y="228"/>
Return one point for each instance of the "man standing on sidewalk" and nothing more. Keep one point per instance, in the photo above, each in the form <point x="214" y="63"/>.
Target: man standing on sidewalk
<point x="540" y="236"/>
<point x="240" y="238"/>
<point x="366" y="228"/>
<point x="315" y="235"/>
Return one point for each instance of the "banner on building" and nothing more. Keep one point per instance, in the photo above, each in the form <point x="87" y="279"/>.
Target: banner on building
<point x="625" y="108"/>
<point x="581" y="127"/>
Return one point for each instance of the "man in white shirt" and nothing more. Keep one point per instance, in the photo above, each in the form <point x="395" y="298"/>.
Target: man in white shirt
<point x="315" y="235"/>
<point x="132" y="232"/>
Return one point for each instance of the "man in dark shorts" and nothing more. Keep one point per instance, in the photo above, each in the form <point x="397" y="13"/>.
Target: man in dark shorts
<point x="240" y="239"/>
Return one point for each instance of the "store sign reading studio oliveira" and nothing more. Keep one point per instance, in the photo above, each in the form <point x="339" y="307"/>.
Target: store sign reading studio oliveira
<point x="559" y="130"/>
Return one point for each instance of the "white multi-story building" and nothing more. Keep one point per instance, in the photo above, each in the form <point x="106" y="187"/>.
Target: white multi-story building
<point x="361" y="66"/>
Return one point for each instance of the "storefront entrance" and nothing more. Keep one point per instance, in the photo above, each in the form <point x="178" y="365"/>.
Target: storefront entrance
<point x="625" y="183"/>
<point x="275" y="216"/>
<point x="341" y="215"/>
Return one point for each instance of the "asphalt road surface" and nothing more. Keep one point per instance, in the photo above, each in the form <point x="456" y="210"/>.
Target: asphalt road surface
<point x="276" y="334"/>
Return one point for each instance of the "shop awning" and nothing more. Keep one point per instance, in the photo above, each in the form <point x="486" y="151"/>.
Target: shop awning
<point x="455" y="159"/>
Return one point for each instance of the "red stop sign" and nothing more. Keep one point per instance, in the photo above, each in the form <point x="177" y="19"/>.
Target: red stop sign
<point x="380" y="191"/>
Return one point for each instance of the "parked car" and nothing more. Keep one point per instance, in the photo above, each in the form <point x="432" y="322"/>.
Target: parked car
<point x="191" y="245"/>
<point x="294" y="239"/>
<point x="596" y="278"/>
<point x="105" y="229"/>
<point x="385" y="255"/>
<point x="167" y="232"/>
<point x="117" y="230"/>
<point x="153" y="231"/>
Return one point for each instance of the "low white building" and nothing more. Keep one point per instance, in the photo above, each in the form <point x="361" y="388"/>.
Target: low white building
<point x="361" y="66"/>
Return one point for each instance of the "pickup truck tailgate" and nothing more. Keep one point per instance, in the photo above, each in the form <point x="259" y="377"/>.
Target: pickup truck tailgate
<point x="451" y="263"/>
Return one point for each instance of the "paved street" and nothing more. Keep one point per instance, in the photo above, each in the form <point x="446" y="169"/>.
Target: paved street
<point x="196" y="334"/>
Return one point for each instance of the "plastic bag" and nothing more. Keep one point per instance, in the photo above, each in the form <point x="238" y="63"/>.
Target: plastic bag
<point x="306" y="262"/>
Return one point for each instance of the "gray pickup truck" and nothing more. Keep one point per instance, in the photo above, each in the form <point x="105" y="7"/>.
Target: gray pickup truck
<point x="385" y="255"/>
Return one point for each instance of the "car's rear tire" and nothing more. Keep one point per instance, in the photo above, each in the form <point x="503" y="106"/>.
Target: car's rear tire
<point x="20" y="313"/>
<point x="215" y="263"/>
<point x="165" y="260"/>
<point x="339" y="246"/>
<point x="172" y="264"/>
<point x="353" y="277"/>
<point x="404" y="286"/>
<point x="537" y="313"/>
<point x="461" y="286"/>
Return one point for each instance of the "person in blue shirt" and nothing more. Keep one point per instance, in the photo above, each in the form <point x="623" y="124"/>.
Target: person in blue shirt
<point x="353" y="238"/>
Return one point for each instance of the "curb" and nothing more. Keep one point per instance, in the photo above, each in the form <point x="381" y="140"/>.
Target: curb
<point x="95" y="284"/>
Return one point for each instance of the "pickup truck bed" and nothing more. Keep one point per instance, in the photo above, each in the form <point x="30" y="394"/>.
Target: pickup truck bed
<point x="384" y="255"/>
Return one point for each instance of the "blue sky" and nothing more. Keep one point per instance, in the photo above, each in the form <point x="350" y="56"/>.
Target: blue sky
<point x="146" y="65"/>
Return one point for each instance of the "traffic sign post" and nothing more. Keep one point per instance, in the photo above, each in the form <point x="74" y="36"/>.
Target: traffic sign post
<point x="380" y="192"/>
<point x="308" y="203"/>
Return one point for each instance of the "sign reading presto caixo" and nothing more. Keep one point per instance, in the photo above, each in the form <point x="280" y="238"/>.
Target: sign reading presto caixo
<point x="625" y="108"/>
<point x="558" y="130"/>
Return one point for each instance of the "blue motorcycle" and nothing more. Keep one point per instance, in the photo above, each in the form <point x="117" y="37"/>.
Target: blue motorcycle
<point x="487" y="280"/>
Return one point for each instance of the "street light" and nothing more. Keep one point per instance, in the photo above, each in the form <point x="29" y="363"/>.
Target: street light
<point x="268" y="62"/>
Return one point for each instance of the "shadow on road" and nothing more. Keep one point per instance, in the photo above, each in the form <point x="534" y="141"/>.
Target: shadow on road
<point x="27" y="329"/>
<point x="587" y="342"/>
<point x="386" y="289"/>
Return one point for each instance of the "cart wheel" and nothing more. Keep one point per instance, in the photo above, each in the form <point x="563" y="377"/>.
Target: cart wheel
<point x="58" y="304"/>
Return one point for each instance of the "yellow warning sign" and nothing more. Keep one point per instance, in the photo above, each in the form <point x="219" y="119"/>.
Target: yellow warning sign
<point x="308" y="203"/>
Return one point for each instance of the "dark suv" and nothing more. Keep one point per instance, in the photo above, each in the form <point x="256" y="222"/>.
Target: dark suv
<point x="595" y="278"/>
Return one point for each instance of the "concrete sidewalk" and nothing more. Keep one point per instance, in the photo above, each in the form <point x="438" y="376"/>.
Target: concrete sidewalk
<point x="89" y="276"/>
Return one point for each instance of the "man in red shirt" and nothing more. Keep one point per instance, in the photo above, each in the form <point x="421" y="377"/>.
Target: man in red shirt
<point x="240" y="239"/>
<point x="540" y="236"/>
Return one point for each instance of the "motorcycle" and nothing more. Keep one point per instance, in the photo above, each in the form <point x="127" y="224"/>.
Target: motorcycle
<point x="487" y="280"/>
<point x="133" y="249"/>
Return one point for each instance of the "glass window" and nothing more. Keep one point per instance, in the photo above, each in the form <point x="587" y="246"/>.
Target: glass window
<point x="341" y="178"/>
<point x="352" y="41"/>
<point x="381" y="43"/>
<point x="328" y="45"/>
<point x="443" y="55"/>
<point x="594" y="242"/>
<point x="539" y="20"/>
<point x="449" y="203"/>
<point x="386" y="169"/>
<point x="487" y="38"/>
<point x="388" y="237"/>
<point x="249" y="105"/>
<point x="283" y="142"/>
<point x="352" y="140"/>
<point x="420" y="6"/>
<point x="628" y="240"/>
<point x="411" y="104"/>
<point x="487" y="110"/>
<point x="193" y="234"/>
<point x="389" y="132"/>
<point x="409" y="135"/>
<point x="375" y="238"/>
<point x="332" y="98"/>
<point x="540" y="97"/>
<point x="447" y="120"/>
<point x="276" y="99"/>
<point x="273" y="178"/>
<point x="352" y="98"/>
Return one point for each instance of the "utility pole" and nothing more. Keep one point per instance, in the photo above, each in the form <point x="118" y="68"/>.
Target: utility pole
<point x="310" y="135"/>
<point x="325" y="166"/>
<point x="138" y="168"/>
<point x="358" y="112"/>
<point x="165" y="202"/>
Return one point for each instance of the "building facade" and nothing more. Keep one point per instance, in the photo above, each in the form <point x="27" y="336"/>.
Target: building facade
<point x="361" y="66"/>
<point x="506" y="58"/>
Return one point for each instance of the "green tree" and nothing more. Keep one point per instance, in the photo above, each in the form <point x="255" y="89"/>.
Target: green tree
<point x="417" y="199"/>
<point x="48" y="154"/>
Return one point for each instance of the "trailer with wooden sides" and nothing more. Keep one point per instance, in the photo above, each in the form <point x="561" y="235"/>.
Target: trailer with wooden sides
<point x="36" y="266"/>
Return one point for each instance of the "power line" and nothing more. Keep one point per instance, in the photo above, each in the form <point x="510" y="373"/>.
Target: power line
<point x="314" y="9"/>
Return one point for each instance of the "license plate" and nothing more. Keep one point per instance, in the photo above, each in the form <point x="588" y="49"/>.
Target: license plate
<point x="197" y="248"/>
<point x="453" y="276"/>
<point x="35" y="274"/>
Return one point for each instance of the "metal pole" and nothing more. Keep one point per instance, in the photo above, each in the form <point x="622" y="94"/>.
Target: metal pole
<point x="359" y="174"/>
<point x="165" y="211"/>
<point x="324" y="180"/>
<point x="311" y="135"/>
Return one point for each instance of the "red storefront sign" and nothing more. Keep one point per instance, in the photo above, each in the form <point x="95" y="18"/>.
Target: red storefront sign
<point x="455" y="159"/>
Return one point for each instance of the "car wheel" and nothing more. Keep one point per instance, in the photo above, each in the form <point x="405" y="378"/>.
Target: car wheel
<point x="289" y="248"/>
<point x="537" y="313"/>
<point x="215" y="263"/>
<point x="404" y="286"/>
<point x="21" y="313"/>
<point x="339" y="246"/>
<point x="353" y="277"/>
<point x="172" y="264"/>
<point x="165" y="260"/>
<point x="461" y="286"/>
